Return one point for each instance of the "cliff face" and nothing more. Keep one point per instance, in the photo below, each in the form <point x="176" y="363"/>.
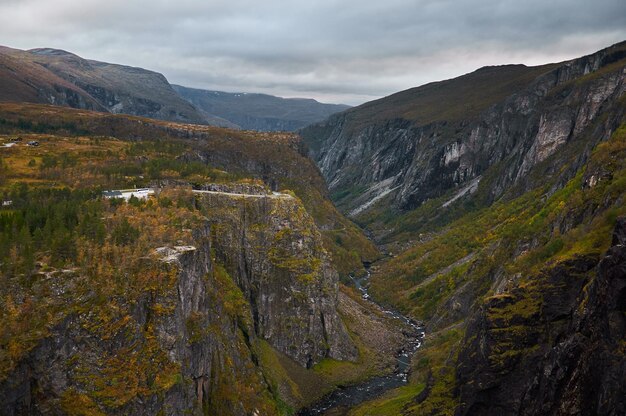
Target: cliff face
<point x="213" y="301"/>
<point x="180" y="332"/>
<point x="509" y="119"/>
<point x="175" y="348"/>
<point x="523" y="299"/>
<point x="554" y="348"/>
<point x="271" y="247"/>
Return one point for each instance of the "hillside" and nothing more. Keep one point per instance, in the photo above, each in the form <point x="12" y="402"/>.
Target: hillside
<point x="455" y="100"/>
<point x="503" y="226"/>
<point x="276" y="159"/>
<point x="471" y="139"/>
<point x="260" y="112"/>
<point x="523" y="302"/>
<point x="496" y="200"/>
<point x="221" y="292"/>
<point x="51" y="76"/>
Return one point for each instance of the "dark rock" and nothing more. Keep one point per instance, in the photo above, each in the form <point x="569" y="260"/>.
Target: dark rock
<point x="619" y="234"/>
<point x="553" y="349"/>
<point x="273" y="251"/>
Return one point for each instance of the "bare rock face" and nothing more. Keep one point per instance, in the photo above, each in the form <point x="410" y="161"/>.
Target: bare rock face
<point x="555" y="348"/>
<point x="393" y="148"/>
<point x="271" y="247"/>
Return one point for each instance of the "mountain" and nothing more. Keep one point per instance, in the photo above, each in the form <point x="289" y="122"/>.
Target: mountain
<point x="220" y="294"/>
<point x="53" y="76"/>
<point x="259" y="111"/>
<point x="483" y="131"/>
<point x="498" y="197"/>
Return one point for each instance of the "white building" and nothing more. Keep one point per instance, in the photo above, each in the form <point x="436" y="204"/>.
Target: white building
<point x="141" y="193"/>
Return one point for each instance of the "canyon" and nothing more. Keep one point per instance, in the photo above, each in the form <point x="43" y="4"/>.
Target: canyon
<point x="452" y="249"/>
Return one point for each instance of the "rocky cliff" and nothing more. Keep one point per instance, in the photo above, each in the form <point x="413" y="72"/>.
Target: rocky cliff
<point x="222" y="300"/>
<point x="509" y="295"/>
<point x="480" y="133"/>
<point x="179" y="329"/>
<point x="495" y="195"/>
<point x="555" y="347"/>
<point x="271" y="247"/>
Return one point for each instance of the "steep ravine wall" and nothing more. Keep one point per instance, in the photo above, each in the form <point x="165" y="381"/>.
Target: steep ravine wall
<point x="552" y="348"/>
<point x="174" y="350"/>
<point x="273" y="250"/>
<point x="255" y="270"/>
<point x="518" y="325"/>
<point x="414" y="162"/>
<point x="531" y="322"/>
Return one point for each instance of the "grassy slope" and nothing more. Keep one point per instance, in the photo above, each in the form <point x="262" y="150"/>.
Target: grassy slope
<point x="23" y="80"/>
<point x="439" y="101"/>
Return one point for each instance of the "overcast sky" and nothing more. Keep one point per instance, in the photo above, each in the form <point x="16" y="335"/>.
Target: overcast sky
<point x="347" y="51"/>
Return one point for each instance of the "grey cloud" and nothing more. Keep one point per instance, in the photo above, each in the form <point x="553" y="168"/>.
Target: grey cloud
<point x="341" y="51"/>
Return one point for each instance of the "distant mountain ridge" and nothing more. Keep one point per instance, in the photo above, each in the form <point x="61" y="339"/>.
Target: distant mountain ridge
<point x="58" y="77"/>
<point x="54" y="76"/>
<point x="259" y="111"/>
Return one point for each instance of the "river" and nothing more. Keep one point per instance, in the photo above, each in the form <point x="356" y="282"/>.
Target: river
<point x="351" y="396"/>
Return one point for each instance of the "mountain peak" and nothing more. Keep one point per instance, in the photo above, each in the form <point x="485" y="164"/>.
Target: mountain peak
<point x="55" y="76"/>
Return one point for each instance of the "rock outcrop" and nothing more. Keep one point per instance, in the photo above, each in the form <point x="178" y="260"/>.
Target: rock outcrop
<point x="172" y="350"/>
<point x="272" y="249"/>
<point x="555" y="347"/>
